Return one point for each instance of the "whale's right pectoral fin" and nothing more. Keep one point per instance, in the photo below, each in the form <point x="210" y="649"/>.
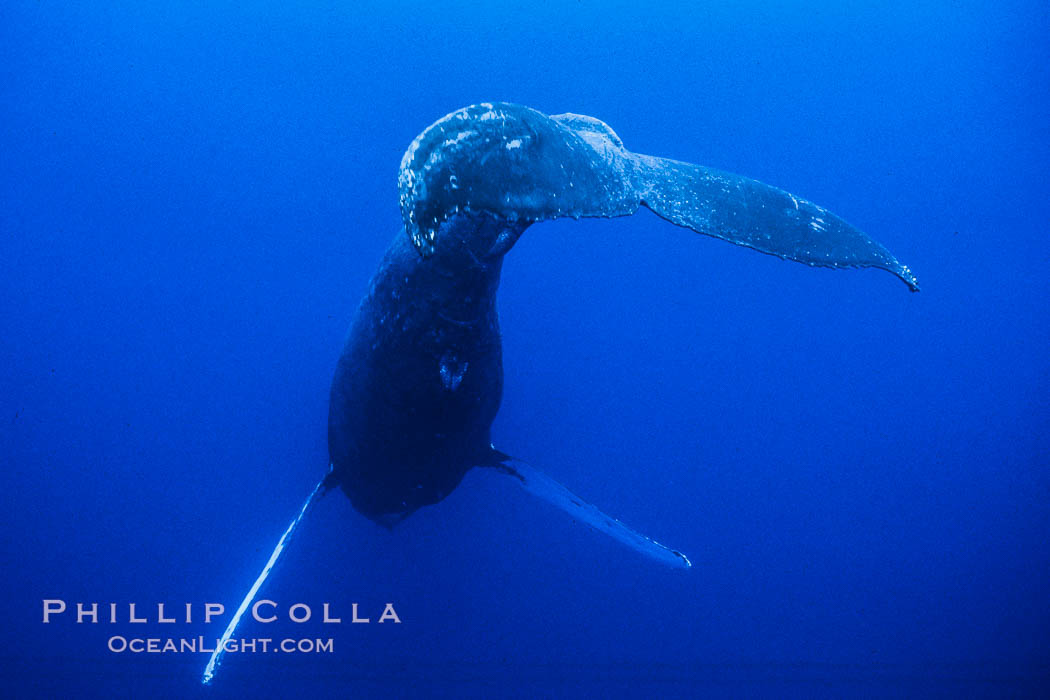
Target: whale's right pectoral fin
<point x="539" y="484"/>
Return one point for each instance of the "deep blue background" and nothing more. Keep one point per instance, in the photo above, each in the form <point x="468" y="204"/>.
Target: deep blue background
<point x="193" y="198"/>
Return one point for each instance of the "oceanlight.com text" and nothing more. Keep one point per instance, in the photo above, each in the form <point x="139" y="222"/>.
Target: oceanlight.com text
<point x="195" y="645"/>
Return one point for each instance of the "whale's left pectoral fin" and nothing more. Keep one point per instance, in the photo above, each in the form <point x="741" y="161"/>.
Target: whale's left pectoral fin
<point x="539" y="484"/>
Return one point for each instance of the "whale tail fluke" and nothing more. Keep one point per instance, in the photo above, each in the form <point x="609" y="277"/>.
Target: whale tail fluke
<point x="542" y="486"/>
<point x="520" y="165"/>
<point x="756" y="215"/>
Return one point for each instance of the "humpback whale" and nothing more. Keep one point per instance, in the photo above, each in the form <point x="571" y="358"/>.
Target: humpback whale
<point x="420" y="378"/>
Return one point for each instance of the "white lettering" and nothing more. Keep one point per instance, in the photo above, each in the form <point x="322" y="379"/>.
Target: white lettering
<point x="211" y="610"/>
<point x="255" y="610"/>
<point x="291" y="612"/>
<point x="160" y="614"/>
<point x="53" y="606"/>
<point x="389" y="614"/>
<point x="327" y="616"/>
<point x="82" y="613"/>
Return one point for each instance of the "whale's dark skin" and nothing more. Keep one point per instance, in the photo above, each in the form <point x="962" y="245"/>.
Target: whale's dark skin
<point x="420" y="378"/>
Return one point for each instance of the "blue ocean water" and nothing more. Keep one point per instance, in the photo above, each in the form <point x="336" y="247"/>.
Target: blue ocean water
<point x="194" y="197"/>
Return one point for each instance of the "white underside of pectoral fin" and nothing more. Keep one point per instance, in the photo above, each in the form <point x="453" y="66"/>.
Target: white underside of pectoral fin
<point x="542" y="486"/>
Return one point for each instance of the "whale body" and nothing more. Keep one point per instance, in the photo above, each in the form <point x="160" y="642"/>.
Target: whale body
<point x="420" y="378"/>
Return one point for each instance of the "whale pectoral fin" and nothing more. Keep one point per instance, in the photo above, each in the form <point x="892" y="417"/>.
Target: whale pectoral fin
<point x="539" y="484"/>
<point x="323" y="486"/>
<point x="750" y="213"/>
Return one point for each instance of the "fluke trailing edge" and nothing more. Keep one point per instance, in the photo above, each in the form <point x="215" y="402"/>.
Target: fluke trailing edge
<point x="420" y="379"/>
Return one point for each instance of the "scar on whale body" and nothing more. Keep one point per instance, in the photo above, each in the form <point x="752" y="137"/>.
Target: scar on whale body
<point x="420" y="379"/>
